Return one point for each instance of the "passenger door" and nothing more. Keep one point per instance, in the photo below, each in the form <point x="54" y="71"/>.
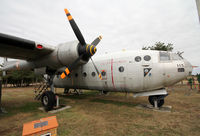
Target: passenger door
<point x="134" y="74"/>
<point x="147" y="69"/>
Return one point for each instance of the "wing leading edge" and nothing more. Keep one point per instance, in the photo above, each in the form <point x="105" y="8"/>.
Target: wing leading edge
<point x="19" y="48"/>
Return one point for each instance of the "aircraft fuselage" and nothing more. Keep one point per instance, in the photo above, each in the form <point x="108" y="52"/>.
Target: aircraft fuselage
<point x="128" y="71"/>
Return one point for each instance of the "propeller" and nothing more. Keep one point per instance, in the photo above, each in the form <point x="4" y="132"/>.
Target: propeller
<point x="96" y="69"/>
<point x="86" y="51"/>
<point x="75" y="28"/>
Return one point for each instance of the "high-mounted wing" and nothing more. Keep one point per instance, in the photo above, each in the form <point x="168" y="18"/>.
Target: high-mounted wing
<point x="19" y="48"/>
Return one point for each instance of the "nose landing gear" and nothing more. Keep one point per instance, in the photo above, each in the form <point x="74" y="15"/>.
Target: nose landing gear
<point x="157" y="100"/>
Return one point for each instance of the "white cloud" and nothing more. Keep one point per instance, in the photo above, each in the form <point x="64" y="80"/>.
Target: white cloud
<point x="128" y="24"/>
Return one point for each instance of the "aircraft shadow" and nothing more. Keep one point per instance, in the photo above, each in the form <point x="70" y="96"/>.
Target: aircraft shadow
<point x="95" y="97"/>
<point x="114" y="102"/>
<point x="79" y="96"/>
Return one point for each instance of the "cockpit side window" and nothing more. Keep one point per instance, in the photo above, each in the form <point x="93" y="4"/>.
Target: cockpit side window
<point x="175" y="56"/>
<point x="164" y="56"/>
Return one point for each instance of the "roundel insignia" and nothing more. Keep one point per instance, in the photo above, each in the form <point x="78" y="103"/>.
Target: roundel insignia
<point x="146" y="71"/>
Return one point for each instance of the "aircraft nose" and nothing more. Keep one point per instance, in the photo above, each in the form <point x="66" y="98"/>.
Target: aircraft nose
<point x="188" y="67"/>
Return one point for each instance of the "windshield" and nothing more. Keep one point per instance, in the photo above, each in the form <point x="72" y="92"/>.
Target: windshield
<point x="175" y="56"/>
<point x="164" y="56"/>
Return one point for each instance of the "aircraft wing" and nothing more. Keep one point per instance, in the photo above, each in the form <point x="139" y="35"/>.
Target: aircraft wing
<point x="19" y="48"/>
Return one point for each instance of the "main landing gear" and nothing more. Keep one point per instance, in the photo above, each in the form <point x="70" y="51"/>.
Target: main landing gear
<point x="48" y="100"/>
<point x="45" y="93"/>
<point x="157" y="100"/>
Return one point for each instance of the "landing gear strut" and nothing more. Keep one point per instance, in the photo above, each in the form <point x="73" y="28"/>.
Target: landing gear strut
<point x="104" y="92"/>
<point x="74" y="91"/>
<point x="66" y="91"/>
<point x="47" y="95"/>
<point x="157" y="100"/>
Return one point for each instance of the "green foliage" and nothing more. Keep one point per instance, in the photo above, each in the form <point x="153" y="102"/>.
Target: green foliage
<point x="198" y="77"/>
<point x="190" y="80"/>
<point x="160" y="46"/>
<point x="20" y="78"/>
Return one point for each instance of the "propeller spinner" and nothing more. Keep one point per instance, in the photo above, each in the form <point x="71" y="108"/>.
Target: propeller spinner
<point x="86" y="51"/>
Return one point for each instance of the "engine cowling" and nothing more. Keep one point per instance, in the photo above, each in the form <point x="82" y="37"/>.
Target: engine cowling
<point x="64" y="55"/>
<point x="18" y="65"/>
<point x="68" y="52"/>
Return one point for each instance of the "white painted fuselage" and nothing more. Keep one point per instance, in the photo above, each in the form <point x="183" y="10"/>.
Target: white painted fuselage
<point x="128" y="71"/>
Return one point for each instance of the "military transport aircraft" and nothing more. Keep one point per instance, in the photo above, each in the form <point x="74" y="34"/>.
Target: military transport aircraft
<point x="71" y="65"/>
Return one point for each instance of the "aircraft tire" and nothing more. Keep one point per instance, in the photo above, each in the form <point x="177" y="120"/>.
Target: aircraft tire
<point x="104" y="92"/>
<point x="48" y="100"/>
<point x="160" y="102"/>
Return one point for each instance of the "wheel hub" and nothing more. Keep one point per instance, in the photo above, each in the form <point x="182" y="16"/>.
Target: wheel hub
<point x="45" y="100"/>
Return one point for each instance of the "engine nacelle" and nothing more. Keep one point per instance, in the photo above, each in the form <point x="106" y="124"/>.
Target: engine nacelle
<point x="18" y="65"/>
<point x="68" y="52"/>
<point x="64" y="55"/>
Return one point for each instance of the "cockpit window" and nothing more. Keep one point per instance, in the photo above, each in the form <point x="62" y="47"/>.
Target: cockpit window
<point x="164" y="56"/>
<point x="175" y="56"/>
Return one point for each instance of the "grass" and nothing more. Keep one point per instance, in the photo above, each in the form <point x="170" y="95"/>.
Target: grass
<point x="105" y="115"/>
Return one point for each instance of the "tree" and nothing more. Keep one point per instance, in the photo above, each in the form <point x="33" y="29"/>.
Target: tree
<point x="198" y="79"/>
<point x="0" y="90"/>
<point x="160" y="46"/>
<point x="20" y="78"/>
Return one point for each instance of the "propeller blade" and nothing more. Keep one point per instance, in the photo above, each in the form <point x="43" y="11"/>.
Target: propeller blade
<point x="69" y="69"/>
<point x="96" y="41"/>
<point x="99" y="74"/>
<point x="75" y="28"/>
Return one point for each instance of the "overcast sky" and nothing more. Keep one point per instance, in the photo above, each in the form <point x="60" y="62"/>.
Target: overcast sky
<point x="124" y="24"/>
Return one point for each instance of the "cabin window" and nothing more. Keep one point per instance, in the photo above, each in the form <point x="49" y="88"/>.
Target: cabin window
<point x="164" y="56"/>
<point x="138" y="59"/>
<point x="121" y="69"/>
<point x="93" y="74"/>
<point x="103" y="73"/>
<point x="147" y="58"/>
<point x="84" y="74"/>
